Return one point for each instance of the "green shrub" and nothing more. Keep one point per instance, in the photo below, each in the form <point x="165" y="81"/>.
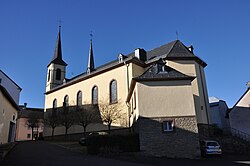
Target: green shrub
<point x="106" y="144"/>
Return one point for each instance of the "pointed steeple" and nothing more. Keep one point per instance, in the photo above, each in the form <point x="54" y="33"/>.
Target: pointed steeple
<point x="91" y="65"/>
<point x="57" y="58"/>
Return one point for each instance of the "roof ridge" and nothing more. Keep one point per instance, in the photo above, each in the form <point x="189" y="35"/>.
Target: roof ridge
<point x="183" y="45"/>
<point x="172" y="46"/>
<point x="174" y="41"/>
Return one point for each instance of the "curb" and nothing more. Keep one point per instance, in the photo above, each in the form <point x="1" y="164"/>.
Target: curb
<point x="68" y="148"/>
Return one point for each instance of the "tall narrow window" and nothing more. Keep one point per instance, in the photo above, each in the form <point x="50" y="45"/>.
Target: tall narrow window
<point x="66" y="101"/>
<point x="49" y="75"/>
<point x="58" y="74"/>
<point x="113" y="91"/>
<point x="134" y="100"/>
<point x="79" y="98"/>
<point x="54" y="104"/>
<point x="94" y="95"/>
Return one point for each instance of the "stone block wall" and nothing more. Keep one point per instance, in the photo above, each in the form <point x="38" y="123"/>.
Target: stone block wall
<point x="183" y="142"/>
<point x="204" y="131"/>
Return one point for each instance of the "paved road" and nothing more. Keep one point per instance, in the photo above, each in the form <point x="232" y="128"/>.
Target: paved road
<point x="46" y="154"/>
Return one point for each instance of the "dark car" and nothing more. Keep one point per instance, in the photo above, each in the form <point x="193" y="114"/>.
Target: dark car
<point x="210" y="147"/>
<point x="82" y="140"/>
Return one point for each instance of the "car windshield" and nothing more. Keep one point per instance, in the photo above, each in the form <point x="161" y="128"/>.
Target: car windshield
<point x="212" y="144"/>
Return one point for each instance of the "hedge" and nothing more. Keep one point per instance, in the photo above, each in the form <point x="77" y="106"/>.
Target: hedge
<point x="106" y="144"/>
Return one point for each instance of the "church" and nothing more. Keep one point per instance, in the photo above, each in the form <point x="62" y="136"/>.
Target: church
<point x="162" y="91"/>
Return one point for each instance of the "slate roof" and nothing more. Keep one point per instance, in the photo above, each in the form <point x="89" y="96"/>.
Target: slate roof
<point x="11" y="80"/>
<point x="57" y="58"/>
<point x="8" y="96"/>
<point x="96" y="71"/>
<point x="160" y="51"/>
<point x="173" y="50"/>
<point x="159" y="71"/>
<point x="91" y="64"/>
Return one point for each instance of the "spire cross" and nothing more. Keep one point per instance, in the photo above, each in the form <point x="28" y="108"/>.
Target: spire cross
<point x="177" y="35"/>
<point x="91" y="35"/>
<point x="60" y="24"/>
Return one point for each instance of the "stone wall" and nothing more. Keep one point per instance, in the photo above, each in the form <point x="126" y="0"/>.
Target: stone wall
<point x="233" y="145"/>
<point x="204" y="131"/>
<point x="183" y="142"/>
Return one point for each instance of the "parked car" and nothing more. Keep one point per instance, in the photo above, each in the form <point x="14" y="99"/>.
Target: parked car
<point x="210" y="147"/>
<point x="82" y="140"/>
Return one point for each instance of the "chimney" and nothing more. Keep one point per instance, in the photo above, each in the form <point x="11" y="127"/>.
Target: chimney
<point x="141" y="54"/>
<point x="191" y="49"/>
<point x="248" y="85"/>
<point x="25" y="105"/>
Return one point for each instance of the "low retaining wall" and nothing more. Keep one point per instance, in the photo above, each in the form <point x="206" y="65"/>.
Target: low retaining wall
<point x="77" y="136"/>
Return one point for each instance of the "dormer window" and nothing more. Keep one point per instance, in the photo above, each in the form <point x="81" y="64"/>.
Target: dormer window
<point x="161" y="68"/>
<point x="120" y="58"/>
<point x="64" y="81"/>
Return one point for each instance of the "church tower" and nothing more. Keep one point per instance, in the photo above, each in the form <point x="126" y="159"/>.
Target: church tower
<point x="57" y="67"/>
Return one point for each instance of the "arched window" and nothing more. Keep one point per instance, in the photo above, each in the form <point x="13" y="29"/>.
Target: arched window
<point x="58" y="74"/>
<point x="94" y="95"/>
<point x="113" y="91"/>
<point x="66" y="101"/>
<point x="54" y="104"/>
<point x="54" y="108"/>
<point x="79" y="98"/>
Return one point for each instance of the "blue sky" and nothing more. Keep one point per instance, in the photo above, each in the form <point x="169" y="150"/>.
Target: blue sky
<point x="218" y="30"/>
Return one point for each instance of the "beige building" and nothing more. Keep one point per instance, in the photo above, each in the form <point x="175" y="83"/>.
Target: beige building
<point x="163" y="92"/>
<point x="8" y="116"/>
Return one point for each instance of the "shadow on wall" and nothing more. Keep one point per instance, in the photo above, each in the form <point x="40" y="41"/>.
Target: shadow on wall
<point x="76" y="117"/>
<point x="239" y="118"/>
<point x="158" y="138"/>
<point x="204" y="129"/>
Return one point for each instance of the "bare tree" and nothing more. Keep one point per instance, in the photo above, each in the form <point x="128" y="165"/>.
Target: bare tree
<point x="34" y="121"/>
<point x="111" y="113"/>
<point x="85" y="116"/>
<point x="52" y="120"/>
<point x="66" y="118"/>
